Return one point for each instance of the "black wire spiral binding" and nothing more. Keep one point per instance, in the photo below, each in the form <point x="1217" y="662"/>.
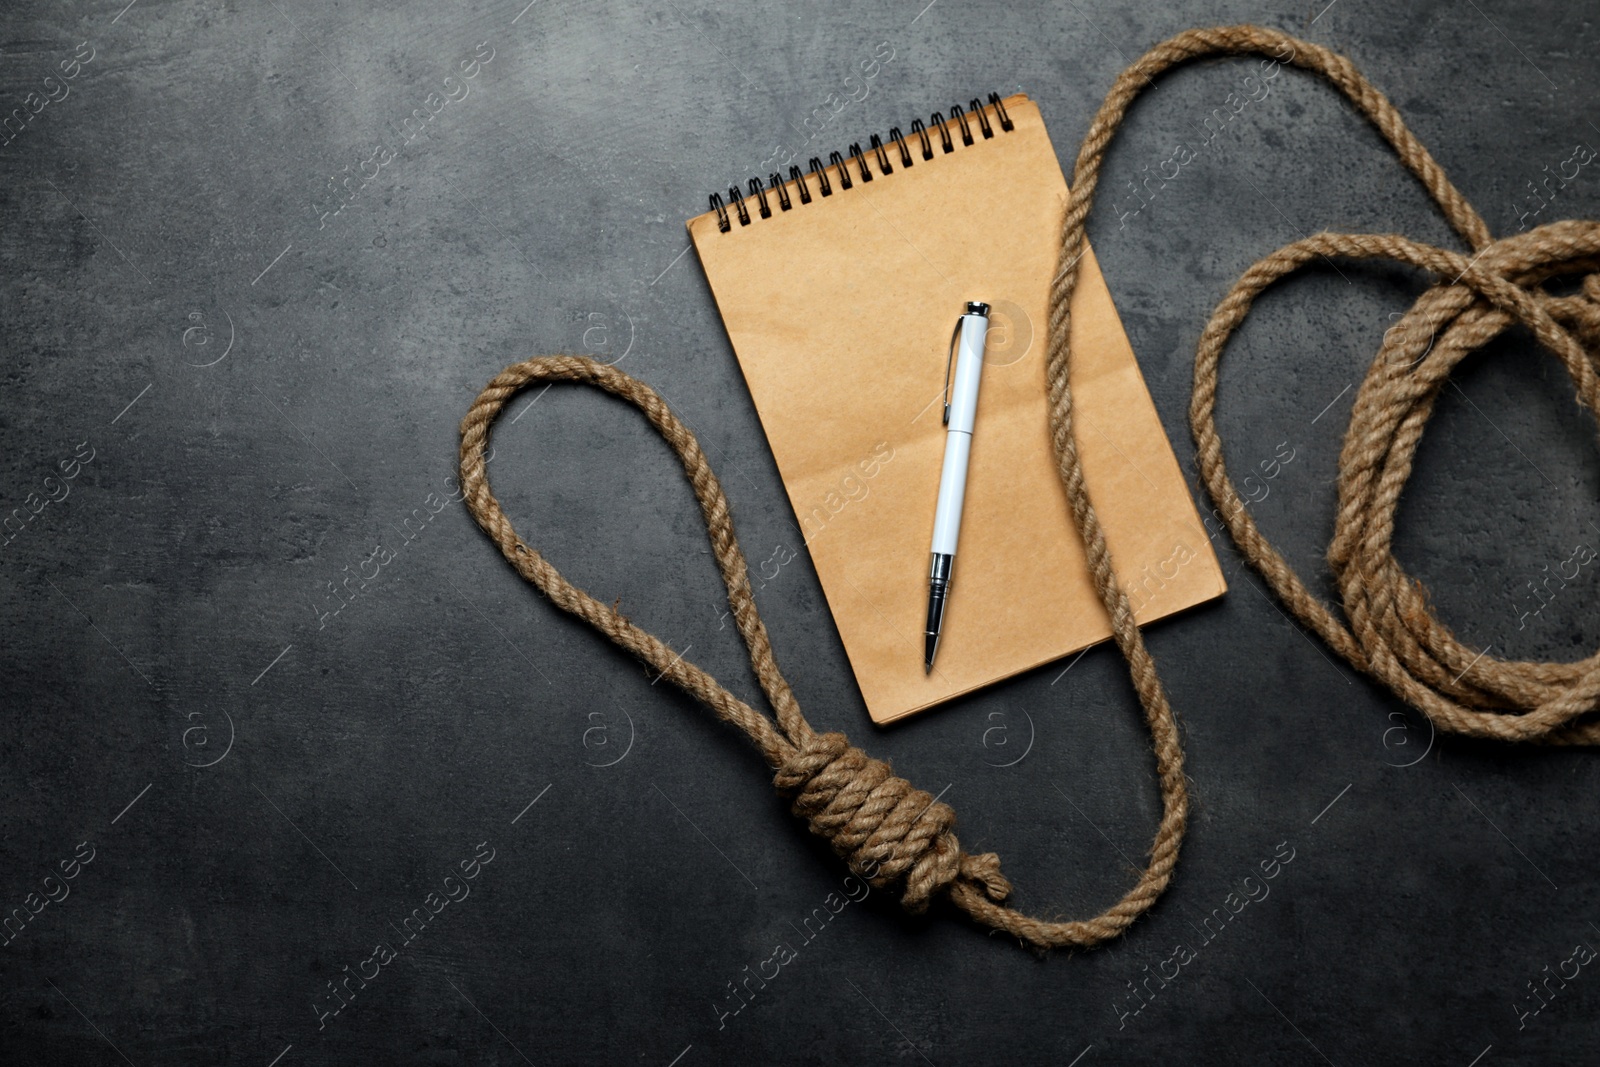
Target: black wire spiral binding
<point x="898" y="138"/>
<point x="861" y="161"/>
<point x="837" y="161"/>
<point x="822" y="177"/>
<point x="776" y="183"/>
<point x="983" y="121"/>
<point x="800" y="182"/>
<point x="761" y="194"/>
<point x="961" y="117"/>
<point x="883" y="157"/>
<point x="922" y="131"/>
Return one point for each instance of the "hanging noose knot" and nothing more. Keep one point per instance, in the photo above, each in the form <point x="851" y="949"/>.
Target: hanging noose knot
<point x="886" y="829"/>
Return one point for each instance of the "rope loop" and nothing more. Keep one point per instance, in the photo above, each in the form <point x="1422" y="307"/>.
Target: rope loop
<point x="1388" y="629"/>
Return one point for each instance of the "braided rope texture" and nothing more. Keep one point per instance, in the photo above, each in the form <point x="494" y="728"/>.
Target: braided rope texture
<point x="900" y="837"/>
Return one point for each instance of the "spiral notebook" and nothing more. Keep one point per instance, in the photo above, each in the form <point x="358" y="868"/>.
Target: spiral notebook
<point x="839" y="286"/>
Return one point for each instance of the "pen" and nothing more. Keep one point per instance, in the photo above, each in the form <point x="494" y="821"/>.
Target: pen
<point x="960" y="412"/>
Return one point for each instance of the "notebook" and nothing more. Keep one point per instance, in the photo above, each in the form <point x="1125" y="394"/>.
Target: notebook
<point x="839" y="287"/>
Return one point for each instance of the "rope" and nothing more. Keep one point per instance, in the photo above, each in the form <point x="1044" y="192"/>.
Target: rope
<point x="1391" y="634"/>
<point x="897" y="836"/>
<point x="887" y="830"/>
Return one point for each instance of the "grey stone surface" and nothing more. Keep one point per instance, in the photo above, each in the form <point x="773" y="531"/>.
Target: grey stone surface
<point x="268" y="787"/>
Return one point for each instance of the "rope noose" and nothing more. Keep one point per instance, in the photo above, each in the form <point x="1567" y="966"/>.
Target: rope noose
<point x="898" y="836"/>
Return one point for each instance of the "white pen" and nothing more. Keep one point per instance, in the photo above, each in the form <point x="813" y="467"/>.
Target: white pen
<point x="960" y="413"/>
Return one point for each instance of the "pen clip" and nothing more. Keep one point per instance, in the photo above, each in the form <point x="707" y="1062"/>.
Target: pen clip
<point x="949" y="361"/>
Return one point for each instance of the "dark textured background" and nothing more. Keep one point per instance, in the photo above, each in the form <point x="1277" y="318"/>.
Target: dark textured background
<point x="168" y="612"/>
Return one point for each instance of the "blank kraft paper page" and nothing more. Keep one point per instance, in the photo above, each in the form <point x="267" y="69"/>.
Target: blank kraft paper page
<point x="840" y="312"/>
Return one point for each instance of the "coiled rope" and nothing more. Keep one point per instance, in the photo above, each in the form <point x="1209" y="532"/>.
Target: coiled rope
<point x="898" y="836"/>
